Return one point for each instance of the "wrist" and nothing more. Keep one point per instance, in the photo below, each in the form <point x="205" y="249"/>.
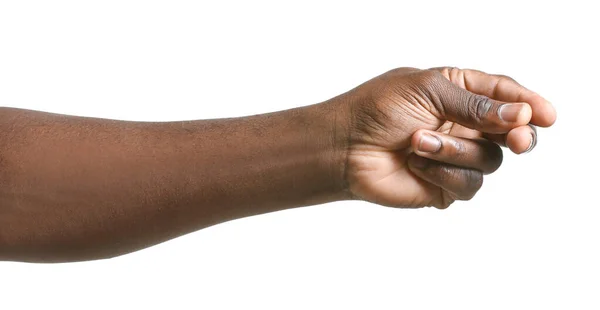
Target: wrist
<point x="333" y="123"/>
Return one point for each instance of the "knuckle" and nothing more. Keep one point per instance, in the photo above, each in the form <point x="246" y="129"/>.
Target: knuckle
<point x="455" y="75"/>
<point x="455" y="148"/>
<point x="442" y="205"/>
<point x="446" y="71"/>
<point x="475" y="179"/>
<point x="505" y="77"/>
<point x="443" y="201"/>
<point x="447" y="200"/>
<point x="465" y="183"/>
<point x="479" y="107"/>
<point x="494" y="158"/>
<point x="444" y="173"/>
<point x="473" y="182"/>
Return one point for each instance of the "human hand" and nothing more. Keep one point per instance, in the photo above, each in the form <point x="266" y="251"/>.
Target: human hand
<point x="95" y="181"/>
<point x="426" y="137"/>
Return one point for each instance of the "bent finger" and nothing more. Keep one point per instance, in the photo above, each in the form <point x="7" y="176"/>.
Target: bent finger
<point x="477" y="111"/>
<point x="479" y="154"/>
<point x="460" y="183"/>
<point x="503" y="88"/>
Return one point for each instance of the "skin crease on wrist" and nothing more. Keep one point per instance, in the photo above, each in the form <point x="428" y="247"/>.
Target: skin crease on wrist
<point x="75" y="188"/>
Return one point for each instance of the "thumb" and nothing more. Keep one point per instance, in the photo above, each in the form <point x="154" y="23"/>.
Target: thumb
<point x="479" y="112"/>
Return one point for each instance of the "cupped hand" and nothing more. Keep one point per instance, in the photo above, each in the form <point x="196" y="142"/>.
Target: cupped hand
<point x="426" y="137"/>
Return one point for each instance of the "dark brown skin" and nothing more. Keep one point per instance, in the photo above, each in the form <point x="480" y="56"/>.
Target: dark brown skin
<point x="74" y="188"/>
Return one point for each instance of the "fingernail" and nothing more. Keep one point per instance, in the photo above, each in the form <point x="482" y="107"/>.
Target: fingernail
<point x="418" y="162"/>
<point x="429" y="144"/>
<point x="532" y="144"/>
<point x="509" y="112"/>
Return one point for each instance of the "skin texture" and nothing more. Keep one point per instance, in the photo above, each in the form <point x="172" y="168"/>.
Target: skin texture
<point x="392" y="112"/>
<point x="74" y="188"/>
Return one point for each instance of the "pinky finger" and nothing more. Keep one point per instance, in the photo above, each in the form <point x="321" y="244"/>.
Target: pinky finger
<point x="460" y="183"/>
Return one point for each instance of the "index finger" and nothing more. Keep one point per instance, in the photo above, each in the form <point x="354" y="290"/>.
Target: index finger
<point x="503" y="88"/>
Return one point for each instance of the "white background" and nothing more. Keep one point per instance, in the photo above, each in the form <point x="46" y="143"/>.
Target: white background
<point x="529" y="240"/>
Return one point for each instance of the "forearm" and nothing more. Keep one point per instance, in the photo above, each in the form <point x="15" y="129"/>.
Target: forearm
<point x="75" y="188"/>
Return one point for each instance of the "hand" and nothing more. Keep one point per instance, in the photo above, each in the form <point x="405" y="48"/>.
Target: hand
<point x="426" y="137"/>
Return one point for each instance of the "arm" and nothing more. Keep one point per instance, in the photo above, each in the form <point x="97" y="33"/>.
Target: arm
<point x="74" y="188"/>
<point x="79" y="188"/>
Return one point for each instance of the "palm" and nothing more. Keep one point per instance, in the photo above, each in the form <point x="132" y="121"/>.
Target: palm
<point x="384" y="177"/>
